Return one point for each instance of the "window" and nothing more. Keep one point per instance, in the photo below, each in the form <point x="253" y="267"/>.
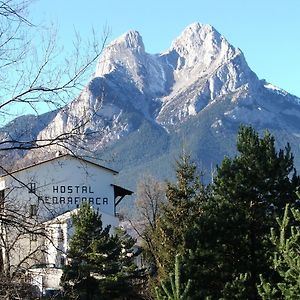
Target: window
<point x="32" y="210"/>
<point x="33" y="237"/>
<point x="31" y="187"/>
<point x="60" y="236"/>
<point x="62" y="261"/>
<point x="2" y="196"/>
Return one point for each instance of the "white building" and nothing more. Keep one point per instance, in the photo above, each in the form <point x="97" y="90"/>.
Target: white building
<point x="40" y="199"/>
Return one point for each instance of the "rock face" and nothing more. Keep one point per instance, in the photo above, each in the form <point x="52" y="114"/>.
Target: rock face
<point x="141" y="109"/>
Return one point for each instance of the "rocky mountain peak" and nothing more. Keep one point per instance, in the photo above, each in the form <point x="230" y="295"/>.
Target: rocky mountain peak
<point x="129" y="40"/>
<point x="142" y="105"/>
<point x="201" y="45"/>
<point x="129" y="45"/>
<point x="196" y="33"/>
<point x="132" y="39"/>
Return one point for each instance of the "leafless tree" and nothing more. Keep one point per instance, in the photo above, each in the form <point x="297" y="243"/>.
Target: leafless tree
<point x="22" y="243"/>
<point x="36" y="75"/>
<point x="149" y="199"/>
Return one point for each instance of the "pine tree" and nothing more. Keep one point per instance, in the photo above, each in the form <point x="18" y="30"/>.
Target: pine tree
<point x="250" y="191"/>
<point x="174" y="289"/>
<point x="100" y="265"/>
<point x="286" y="260"/>
<point x="222" y="236"/>
<point x="177" y="215"/>
<point x="175" y="227"/>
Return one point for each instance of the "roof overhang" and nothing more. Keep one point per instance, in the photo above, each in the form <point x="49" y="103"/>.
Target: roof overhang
<point x="120" y="193"/>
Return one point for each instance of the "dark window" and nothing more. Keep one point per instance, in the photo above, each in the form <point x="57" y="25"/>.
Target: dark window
<point x="62" y="261"/>
<point x="2" y="196"/>
<point x="33" y="237"/>
<point x="60" y="235"/>
<point x="32" y="210"/>
<point x="31" y="187"/>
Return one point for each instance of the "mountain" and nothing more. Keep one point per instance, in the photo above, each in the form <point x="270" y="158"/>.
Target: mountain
<point x="140" y="110"/>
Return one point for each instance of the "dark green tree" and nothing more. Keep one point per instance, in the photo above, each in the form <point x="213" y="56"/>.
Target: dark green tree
<point x="221" y="232"/>
<point x="177" y="216"/>
<point x="100" y="265"/>
<point x="176" y="228"/>
<point x="250" y="191"/>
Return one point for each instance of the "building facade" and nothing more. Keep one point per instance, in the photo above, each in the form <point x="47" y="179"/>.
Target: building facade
<point x="36" y="205"/>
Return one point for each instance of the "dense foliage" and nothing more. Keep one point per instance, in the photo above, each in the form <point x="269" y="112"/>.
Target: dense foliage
<point x="174" y="289"/>
<point x="222" y="231"/>
<point x="100" y="265"/>
<point x="286" y="259"/>
<point x="251" y="190"/>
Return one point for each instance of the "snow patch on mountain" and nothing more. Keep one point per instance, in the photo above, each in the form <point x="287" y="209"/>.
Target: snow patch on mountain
<point x="244" y="115"/>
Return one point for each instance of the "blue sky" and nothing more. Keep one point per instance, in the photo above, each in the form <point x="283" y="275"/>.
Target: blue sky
<point x="267" y="31"/>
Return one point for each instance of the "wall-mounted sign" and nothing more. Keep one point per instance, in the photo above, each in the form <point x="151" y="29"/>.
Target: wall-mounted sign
<point x="73" y="194"/>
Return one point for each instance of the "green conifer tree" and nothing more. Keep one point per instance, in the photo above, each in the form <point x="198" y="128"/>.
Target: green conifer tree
<point x="174" y="289"/>
<point x="250" y="190"/>
<point x="100" y="265"/>
<point x="286" y="260"/>
<point x="175" y="226"/>
<point x="177" y="216"/>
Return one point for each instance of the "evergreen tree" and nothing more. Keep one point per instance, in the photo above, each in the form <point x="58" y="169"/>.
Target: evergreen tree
<point x="176" y="290"/>
<point x="175" y="231"/>
<point x="286" y="260"/>
<point x="250" y="190"/>
<point x="222" y="235"/>
<point x="177" y="216"/>
<point x="100" y="265"/>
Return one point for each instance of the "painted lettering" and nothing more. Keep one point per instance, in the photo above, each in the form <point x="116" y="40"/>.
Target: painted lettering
<point x="40" y="199"/>
<point x="70" y="200"/>
<point x="62" y="189"/>
<point x="76" y="200"/>
<point x="47" y="200"/>
<point x="77" y="188"/>
<point x="54" y="200"/>
<point x="62" y="200"/>
<point x="55" y="189"/>
<point x="84" y="189"/>
<point x="91" y="200"/>
<point x="90" y="190"/>
<point x="70" y="189"/>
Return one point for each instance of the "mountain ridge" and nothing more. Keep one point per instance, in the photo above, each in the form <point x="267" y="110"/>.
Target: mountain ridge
<point x="200" y="89"/>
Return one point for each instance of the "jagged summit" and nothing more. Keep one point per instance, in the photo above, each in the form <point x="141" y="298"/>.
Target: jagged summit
<point x="200" y="68"/>
<point x="142" y="106"/>
<point x="130" y="39"/>
<point x="201" y="46"/>
<point x="196" y="33"/>
<point x="129" y="45"/>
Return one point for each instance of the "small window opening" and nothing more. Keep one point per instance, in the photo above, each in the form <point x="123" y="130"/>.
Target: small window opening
<point x="32" y="210"/>
<point x="2" y="196"/>
<point x="32" y="187"/>
<point x="60" y="235"/>
<point x="33" y="237"/>
<point x="62" y="261"/>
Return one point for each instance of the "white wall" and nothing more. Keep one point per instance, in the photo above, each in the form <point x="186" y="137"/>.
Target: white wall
<point x="61" y="185"/>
